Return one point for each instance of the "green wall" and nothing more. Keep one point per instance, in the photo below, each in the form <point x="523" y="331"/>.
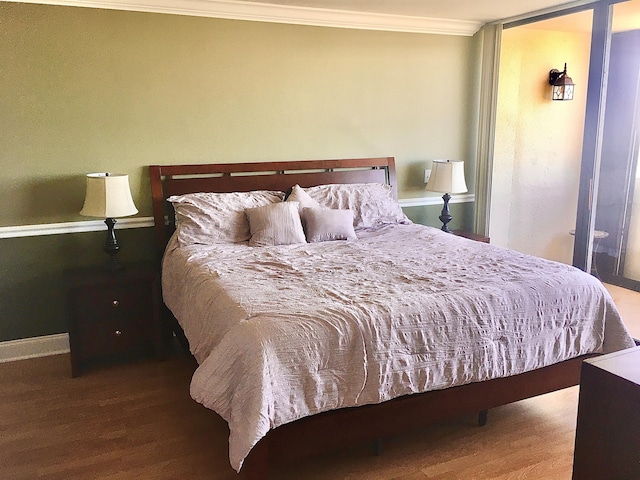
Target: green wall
<point x="85" y="90"/>
<point x="33" y="299"/>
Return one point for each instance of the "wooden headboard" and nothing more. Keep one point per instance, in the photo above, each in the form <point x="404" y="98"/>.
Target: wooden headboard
<point x="167" y="180"/>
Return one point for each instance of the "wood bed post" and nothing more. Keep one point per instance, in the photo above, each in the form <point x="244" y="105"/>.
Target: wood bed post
<point x="158" y="200"/>
<point x="391" y="176"/>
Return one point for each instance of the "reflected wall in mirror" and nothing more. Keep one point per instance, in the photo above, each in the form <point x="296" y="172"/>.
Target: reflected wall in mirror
<point x="617" y="257"/>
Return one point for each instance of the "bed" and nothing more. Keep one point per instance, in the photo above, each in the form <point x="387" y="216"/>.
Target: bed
<point x="358" y="334"/>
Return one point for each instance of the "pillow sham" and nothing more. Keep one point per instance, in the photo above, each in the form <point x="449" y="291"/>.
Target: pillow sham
<point x="372" y="203"/>
<point x="214" y="218"/>
<point x="323" y="224"/>
<point x="275" y="224"/>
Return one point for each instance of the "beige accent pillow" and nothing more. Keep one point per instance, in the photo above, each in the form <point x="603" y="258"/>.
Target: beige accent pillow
<point x="276" y="224"/>
<point x="299" y="195"/>
<point x="322" y="224"/>
<point x="213" y="218"/>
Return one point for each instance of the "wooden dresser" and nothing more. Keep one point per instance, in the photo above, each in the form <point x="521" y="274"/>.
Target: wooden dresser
<point x="608" y="429"/>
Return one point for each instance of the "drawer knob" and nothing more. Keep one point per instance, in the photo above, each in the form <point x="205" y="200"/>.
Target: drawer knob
<point x="117" y="333"/>
<point x="115" y="303"/>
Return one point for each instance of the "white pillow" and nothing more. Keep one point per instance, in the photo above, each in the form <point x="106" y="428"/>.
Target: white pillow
<point x="275" y="224"/>
<point x="304" y="200"/>
<point x="372" y="203"/>
<point x="323" y="224"/>
<point x="212" y="218"/>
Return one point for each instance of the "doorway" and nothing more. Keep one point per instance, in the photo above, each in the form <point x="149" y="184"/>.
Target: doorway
<point x="538" y="141"/>
<point x="550" y="179"/>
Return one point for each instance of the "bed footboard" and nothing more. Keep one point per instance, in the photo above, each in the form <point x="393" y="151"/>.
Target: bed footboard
<point x="326" y="431"/>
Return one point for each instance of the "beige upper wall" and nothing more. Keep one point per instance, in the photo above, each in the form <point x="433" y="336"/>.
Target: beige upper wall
<point x="85" y="90"/>
<point x="538" y="143"/>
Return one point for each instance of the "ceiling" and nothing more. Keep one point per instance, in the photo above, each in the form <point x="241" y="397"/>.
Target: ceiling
<point x="481" y="12"/>
<point x="477" y="11"/>
<point x="447" y="17"/>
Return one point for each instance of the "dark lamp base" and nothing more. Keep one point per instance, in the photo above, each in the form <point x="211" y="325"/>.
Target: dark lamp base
<point x="111" y="247"/>
<point x="445" y="216"/>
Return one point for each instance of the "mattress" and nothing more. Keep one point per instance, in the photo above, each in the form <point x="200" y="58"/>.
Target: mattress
<point x="283" y="332"/>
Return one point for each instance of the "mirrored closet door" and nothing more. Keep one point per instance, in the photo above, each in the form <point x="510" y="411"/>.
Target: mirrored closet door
<point x="616" y="238"/>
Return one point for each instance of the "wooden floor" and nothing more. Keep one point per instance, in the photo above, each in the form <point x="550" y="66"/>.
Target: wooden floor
<point x="137" y="421"/>
<point x="628" y="303"/>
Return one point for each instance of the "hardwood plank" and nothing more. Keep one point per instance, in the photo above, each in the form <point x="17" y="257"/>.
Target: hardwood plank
<point x="138" y="421"/>
<point x="125" y="421"/>
<point x="628" y="303"/>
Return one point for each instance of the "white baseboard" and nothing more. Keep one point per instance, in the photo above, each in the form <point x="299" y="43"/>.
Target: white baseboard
<point x="34" y="347"/>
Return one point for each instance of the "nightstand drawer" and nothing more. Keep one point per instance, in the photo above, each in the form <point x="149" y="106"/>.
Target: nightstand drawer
<point x="118" y="335"/>
<point x="112" y="301"/>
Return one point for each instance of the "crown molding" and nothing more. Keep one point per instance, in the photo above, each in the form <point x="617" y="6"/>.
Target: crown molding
<point x="266" y="12"/>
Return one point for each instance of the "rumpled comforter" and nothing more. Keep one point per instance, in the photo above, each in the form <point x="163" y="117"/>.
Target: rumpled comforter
<point x="289" y="331"/>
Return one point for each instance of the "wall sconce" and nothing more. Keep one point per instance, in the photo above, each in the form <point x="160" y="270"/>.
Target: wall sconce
<point x="562" y="84"/>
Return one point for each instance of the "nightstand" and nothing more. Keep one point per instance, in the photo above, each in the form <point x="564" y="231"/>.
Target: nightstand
<point x="114" y="313"/>
<point x="607" y="443"/>
<point x="472" y="236"/>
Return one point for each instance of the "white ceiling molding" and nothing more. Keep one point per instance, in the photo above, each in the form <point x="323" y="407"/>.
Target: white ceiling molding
<point x="265" y="12"/>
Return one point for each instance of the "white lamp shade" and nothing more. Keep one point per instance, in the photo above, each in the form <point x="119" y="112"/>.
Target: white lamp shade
<point x="447" y="176"/>
<point x="108" y="196"/>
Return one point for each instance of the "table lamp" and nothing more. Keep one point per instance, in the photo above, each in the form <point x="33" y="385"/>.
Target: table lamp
<point x="108" y="196"/>
<point x="447" y="176"/>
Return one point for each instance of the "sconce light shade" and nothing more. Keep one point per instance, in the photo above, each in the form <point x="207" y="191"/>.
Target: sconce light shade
<point x="108" y="196"/>
<point x="562" y="85"/>
<point x="447" y="176"/>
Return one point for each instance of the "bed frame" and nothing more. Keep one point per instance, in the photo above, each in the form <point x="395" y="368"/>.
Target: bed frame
<point x="339" y="428"/>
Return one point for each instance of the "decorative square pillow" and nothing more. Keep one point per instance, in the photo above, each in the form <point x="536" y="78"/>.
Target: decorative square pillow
<point x="276" y="224"/>
<point x="372" y="203"/>
<point x="323" y="224"/>
<point x="299" y="195"/>
<point x="212" y="218"/>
